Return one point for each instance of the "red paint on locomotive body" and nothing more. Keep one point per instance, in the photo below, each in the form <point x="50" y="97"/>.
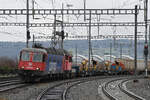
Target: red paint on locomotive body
<point x="31" y="65"/>
<point x="67" y="64"/>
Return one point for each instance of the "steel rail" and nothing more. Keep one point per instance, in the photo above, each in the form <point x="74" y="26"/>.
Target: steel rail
<point x="109" y="95"/>
<point x="128" y="92"/>
<point x="71" y="82"/>
<point x="13" y="87"/>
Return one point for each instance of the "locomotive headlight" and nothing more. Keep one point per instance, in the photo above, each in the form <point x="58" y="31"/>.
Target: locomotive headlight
<point x="22" y="67"/>
<point x="37" y="68"/>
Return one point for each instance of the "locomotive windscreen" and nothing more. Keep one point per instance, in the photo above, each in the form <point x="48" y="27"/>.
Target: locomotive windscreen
<point x="25" y="56"/>
<point x="37" y="57"/>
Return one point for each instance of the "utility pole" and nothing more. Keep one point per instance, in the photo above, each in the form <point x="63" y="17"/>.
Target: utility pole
<point x="54" y="32"/>
<point x="69" y="5"/>
<point x="98" y="29"/>
<point x="27" y="26"/>
<point x="62" y="27"/>
<point x="146" y="45"/>
<point x="33" y="8"/>
<point x="89" y="40"/>
<point x="135" y="40"/>
<point x="33" y="39"/>
<point x="84" y="10"/>
<point x="149" y="41"/>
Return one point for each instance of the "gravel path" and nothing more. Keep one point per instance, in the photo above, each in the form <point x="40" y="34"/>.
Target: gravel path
<point x="141" y="88"/>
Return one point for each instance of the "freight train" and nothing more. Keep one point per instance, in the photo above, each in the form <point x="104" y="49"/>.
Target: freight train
<point x="36" y="63"/>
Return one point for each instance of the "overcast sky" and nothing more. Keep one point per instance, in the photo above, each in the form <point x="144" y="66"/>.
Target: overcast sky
<point x="75" y="3"/>
<point x="19" y="33"/>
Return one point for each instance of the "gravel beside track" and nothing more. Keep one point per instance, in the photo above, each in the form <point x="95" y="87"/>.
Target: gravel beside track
<point x="90" y="90"/>
<point x="141" y="88"/>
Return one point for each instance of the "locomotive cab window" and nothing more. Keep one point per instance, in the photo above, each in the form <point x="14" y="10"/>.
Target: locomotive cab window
<point x="37" y="57"/>
<point x="25" y="56"/>
<point x="44" y="58"/>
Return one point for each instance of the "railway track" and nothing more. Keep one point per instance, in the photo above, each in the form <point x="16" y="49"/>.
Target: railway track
<point x="60" y="90"/>
<point x="8" y="78"/>
<point x="116" y="90"/>
<point x="6" y="82"/>
<point x="9" y="85"/>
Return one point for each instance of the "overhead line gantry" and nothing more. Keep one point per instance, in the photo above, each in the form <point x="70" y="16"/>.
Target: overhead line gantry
<point x="71" y="24"/>
<point x="68" y="11"/>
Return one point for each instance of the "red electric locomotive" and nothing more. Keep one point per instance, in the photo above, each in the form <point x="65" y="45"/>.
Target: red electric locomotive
<point x="35" y="63"/>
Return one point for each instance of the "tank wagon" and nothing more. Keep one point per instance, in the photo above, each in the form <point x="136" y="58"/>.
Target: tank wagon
<point x="127" y="66"/>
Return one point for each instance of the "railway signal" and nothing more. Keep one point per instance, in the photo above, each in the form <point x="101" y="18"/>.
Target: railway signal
<point x="146" y="49"/>
<point x="28" y="35"/>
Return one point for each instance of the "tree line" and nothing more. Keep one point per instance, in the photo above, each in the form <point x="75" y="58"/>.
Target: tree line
<point x="8" y="65"/>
